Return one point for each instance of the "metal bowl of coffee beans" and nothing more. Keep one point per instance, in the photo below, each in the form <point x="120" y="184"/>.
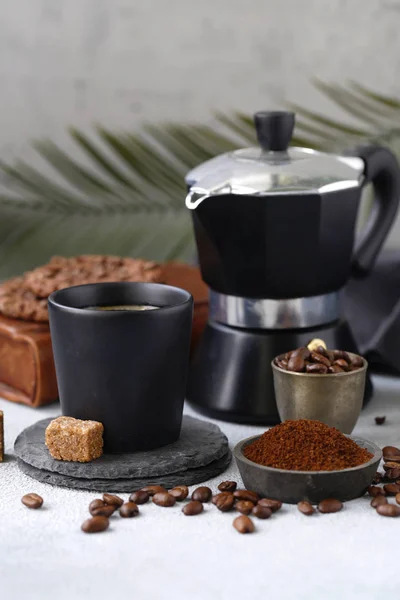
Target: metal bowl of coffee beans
<point x="293" y="486"/>
<point x="321" y="384"/>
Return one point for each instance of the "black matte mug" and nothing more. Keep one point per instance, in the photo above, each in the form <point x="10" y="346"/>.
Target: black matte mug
<point x="126" y="369"/>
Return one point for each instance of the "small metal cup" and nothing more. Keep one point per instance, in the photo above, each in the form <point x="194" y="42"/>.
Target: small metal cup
<point x="335" y="398"/>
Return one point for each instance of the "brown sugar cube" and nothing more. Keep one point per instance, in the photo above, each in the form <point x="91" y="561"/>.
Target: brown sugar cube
<point x="1" y="436"/>
<point x="74" y="440"/>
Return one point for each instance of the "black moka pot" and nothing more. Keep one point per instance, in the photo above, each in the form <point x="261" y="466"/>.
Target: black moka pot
<point x="275" y="229"/>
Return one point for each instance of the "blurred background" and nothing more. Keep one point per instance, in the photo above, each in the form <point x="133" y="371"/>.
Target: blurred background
<point x="153" y="88"/>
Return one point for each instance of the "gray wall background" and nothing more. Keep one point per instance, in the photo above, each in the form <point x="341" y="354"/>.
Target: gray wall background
<point x="121" y="62"/>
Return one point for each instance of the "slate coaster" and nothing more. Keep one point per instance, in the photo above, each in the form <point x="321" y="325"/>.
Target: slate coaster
<point x="200" y="444"/>
<point x="188" y="477"/>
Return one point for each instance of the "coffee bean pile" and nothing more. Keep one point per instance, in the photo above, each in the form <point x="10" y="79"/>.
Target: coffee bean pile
<point x="319" y="361"/>
<point x="390" y="481"/>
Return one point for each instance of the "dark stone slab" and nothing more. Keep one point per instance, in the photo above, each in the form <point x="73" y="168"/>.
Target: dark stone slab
<point x="200" y="444"/>
<point x="188" y="477"/>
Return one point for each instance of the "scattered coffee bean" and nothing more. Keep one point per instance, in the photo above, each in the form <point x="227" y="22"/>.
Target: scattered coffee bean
<point x="164" y="499"/>
<point x="391" y="489"/>
<point x="316" y="368"/>
<point x="224" y="501"/>
<point x="377" y="479"/>
<point x="104" y="511"/>
<point x="374" y="490"/>
<point x="216" y="498"/>
<point x="398" y="498"/>
<point x="380" y="420"/>
<point x="202" y="494"/>
<point x="389" y="451"/>
<point x="32" y="500"/>
<point x="192" y="508"/>
<point x="129" y="510"/>
<point x="227" y="486"/>
<point x="244" y="506"/>
<point x="246" y="495"/>
<point x="139" y="497"/>
<point x="261" y="512"/>
<point x="97" y="503"/>
<point x="330" y="505"/>
<point x="274" y="505"/>
<point x="154" y="489"/>
<point x="394" y="459"/>
<point x="378" y="500"/>
<point x="393" y="473"/>
<point x="113" y="500"/>
<point x="306" y="508"/>
<point x="180" y="492"/>
<point x="390" y="465"/>
<point x="95" y="525"/>
<point x="388" y="510"/>
<point x="243" y="524"/>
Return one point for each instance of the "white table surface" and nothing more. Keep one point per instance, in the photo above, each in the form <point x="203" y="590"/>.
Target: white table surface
<point x="164" y="555"/>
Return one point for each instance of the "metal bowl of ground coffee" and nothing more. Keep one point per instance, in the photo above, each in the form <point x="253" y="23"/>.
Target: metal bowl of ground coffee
<point x="314" y="458"/>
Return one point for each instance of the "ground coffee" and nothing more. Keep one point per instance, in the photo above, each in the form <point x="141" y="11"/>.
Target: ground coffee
<point x="306" y="445"/>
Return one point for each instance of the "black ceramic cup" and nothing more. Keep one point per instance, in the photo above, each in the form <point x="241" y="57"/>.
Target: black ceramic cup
<point x="126" y="369"/>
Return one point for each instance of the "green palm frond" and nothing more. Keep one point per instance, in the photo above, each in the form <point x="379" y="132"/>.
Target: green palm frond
<point x="123" y="193"/>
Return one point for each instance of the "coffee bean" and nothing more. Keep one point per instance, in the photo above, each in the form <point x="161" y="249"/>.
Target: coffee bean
<point x="389" y="451"/>
<point x="139" y="497"/>
<point x="374" y="490"/>
<point x="282" y="364"/>
<point x="129" y="510"/>
<point x="192" y="508"/>
<point x="316" y="368"/>
<point x="246" y="495"/>
<point x="393" y="473"/>
<point x="398" y="498"/>
<point x="316" y="343"/>
<point x="377" y="479"/>
<point x="378" y="500"/>
<point x="97" y="503"/>
<point x="380" y="420"/>
<point x="340" y="362"/>
<point x="32" y="500"/>
<point x="113" y="500"/>
<point x="261" y="512"/>
<point x="243" y="524"/>
<point x="202" y="494"/>
<point x="154" y="489"/>
<point x="388" y="510"/>
<point x="296" y="364"/>
<point x="391" y="489"/>
<point x="244" y="506"/>
<point x="104" y="511"/>
<point x="306" y="508"/>
<point x="320" y="358"/>
<point x="393" y="459"/>
<point x="224" y="502"/>
<point x="274" y="505"/>
<point x="180" y="492"/>
<point x="335" y="369"/>
<point x="227" y="486"/>
<point x="390" y="465"/>
<point x="303" y="352"/>
<point x="164" y="499"/>
<point x="341" y="355"/>
<point x="215" y="498"/>
<point x="95" y="525"/>
<point x="330" y="505"/>
<point x="356" y="361"/>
